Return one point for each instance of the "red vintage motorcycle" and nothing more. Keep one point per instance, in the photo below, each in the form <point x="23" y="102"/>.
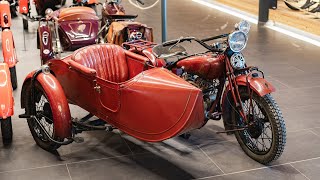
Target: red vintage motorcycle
<point x="115" y="22"/>
<point x="7" y="69"/>
<point x="73" y="27"/>
<point x="76" y="27"/>
<point x="231" y="89"/>
<point x="127" y="91"/>
<point x="8" y="48"/>
<point x="41" y="7"/>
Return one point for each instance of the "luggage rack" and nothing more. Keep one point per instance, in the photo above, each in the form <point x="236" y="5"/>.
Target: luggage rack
<point x="139" y="45"/>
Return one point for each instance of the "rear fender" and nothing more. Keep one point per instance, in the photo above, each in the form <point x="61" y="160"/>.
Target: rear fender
<point x="8" y="50"/>
<point x="259" y="85"/>
<point x="45" y="40"/>
<point x="23" y="6"/>
<point x="5" y="15"/>
<point x="6" y="98"/>
<point x="56" y="97"/>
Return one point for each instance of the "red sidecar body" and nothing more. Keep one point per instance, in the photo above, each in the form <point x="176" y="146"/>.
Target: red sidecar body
<point x="151" y="104"/>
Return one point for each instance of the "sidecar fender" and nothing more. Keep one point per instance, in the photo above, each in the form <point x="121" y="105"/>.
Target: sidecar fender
<point x="6" y="98"/>
<point x="257" y="84"/>
<point x="45" y="41"/>
<point x="23" y="6"/>
<point x="57" y="99"/>
<point x="9" y="53"/>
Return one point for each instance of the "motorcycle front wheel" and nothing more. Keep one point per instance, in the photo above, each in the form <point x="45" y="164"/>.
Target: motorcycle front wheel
<point x="45" y="118"/>
<point x="264" y="135"/>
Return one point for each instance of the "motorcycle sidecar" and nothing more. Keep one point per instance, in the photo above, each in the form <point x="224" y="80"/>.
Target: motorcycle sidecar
<point x="117" y="86"/>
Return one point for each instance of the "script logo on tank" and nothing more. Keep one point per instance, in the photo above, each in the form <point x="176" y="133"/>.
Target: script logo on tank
<point x="45" y="37"/>
<point x="81" y="28"/>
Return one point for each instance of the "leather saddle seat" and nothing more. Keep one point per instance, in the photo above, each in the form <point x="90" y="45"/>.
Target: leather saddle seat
<point x="77" y="13"/>
<point x="108" y="60"/>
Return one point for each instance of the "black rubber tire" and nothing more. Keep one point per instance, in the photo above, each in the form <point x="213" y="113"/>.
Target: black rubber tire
<point x="25" y="24"/>
<point x="6" y="131"/>
<point x="46" y="145"/>
<point x="277" y="125"/>
<point x="13" y="76"/>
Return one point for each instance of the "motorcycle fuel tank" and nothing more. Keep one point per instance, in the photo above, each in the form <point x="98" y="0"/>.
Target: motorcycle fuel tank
<point x="207" y="66"/>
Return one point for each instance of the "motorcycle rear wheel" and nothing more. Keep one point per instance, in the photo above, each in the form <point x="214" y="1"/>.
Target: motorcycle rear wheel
<point x="255" y="140"/>
<point x="6" y="131"/>
<point x="44" y="116"/>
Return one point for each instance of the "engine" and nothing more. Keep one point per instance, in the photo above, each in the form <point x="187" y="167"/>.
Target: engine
<point x="208" y="87"/>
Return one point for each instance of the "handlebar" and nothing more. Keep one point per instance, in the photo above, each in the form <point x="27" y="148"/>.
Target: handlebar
<point x="200" y="41"/>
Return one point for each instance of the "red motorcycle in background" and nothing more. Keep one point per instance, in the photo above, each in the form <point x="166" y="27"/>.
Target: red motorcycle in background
<point x="138" y="96"/>
<point x="8" y="48"/>
<point x="231" y="89"/>
<point x="41" y="7"/>
<point x="8" y="78"/>
<point x="117" y="27"/>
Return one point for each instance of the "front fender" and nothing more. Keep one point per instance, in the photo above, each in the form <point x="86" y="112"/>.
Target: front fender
<point x="259" y="85"/>
<point x="9" y="53"/>
<point x="6" y="98"/>
<point x="57" y="99"/>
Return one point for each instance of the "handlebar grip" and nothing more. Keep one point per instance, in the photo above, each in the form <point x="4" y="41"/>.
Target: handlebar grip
<point x="139" y="1"/>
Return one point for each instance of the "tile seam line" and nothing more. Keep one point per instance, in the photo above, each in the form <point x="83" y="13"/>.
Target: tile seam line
<point x="242" y="15"/>
<point x="68" y="172"/>
<point x="299" y="172"/>
<point x="211" y="160"/>
<point x="266" y="167"/>
<point x="63" y="164"/>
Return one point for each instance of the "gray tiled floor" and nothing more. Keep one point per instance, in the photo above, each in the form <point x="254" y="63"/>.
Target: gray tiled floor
<point x="291" y="65"/>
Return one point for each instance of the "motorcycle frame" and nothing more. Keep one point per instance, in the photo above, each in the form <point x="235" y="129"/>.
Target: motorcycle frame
<point x="228" y="81"/>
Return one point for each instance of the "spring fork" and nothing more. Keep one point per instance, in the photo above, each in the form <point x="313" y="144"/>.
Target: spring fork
<point x="236" y="94"/>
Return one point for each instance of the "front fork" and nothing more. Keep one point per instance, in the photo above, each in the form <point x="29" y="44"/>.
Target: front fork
<point x="58" y="43"/>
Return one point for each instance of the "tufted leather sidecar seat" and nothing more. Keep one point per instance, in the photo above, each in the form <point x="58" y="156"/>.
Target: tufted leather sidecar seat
<point x="108" y="60"/>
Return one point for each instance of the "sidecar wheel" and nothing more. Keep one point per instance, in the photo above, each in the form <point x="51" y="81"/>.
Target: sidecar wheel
<point x="25" y="24"/>
<point x="6" y="131"/>
<point x="44" y="115"/>
<point x="13" y="76"/>
<point x="264" y="138"/>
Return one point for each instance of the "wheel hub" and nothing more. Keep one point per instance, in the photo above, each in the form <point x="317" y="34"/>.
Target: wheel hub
<point x="255" y="128"/>
<point x="47" y="112"/>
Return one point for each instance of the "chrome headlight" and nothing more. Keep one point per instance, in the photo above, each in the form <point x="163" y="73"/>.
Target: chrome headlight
<point x="244" y="26"/>
<point x="237" y="41"/>
<point x="237" y="61"/>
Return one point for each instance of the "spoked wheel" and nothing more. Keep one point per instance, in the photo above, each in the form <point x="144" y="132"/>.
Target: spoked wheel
<point x="44" y="116"/>
<point x="264" y="136"/>
<point x="6" y="131"/>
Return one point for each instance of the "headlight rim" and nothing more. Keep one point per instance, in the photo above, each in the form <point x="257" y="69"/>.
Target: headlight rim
<point x="245" y="44"/>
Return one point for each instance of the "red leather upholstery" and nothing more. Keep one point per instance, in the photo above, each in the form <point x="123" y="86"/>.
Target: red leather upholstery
<point x="108" y="60"/>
